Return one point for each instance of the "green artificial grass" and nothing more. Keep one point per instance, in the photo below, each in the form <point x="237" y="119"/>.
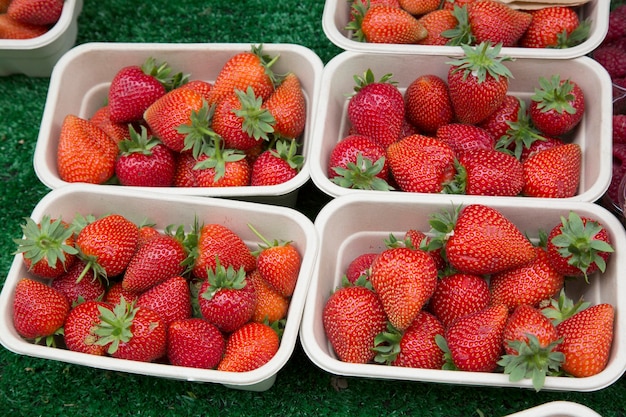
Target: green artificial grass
<point x="32" y="387"/>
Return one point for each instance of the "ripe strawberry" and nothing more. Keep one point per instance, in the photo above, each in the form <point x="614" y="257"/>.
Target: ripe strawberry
<point x="249" y="348"/>
<point x="555" y="27"/>
<point x="497" y="124"/>
<point x="360" y="266"/>
<point x="77" y="290"/>
<point x="115" y="292"/>
<point x="47" y="247"/>
<point x="578" y="246"/>
<point x="270" y="306"/>
<point x="195" y="343"/>
<point x="85" y="152"/>
<point x="540" y="145"/>
<point x="587" y="338"/>
<point x="498" y="23"/>
<point x="222" y="168"/>
<point x="557" y="106"/>
<point x="147" y="232"/>
<point x="144" y="161"/>
<point x="78" y="331"/>
<point x="36" y="12"/>
<point x="474" y="342"/>
<point x="201" y="86"/>
<point x="419" y="7"/>
<point x="107" y="245"/>
<point x="353" y="316"/>
<point x="278" y="262"/>
<point x="278" y="165"/>
<point x="12" y="29"/>
<point x="488" y="172"/>
<point x="478" y="82"/>
<point x="38" y="310"/>
<point x="185" y="175"/>
<point x="428" y="104"/>
<point x="418" y="239"/>
<point x="344" y="168"/>
<point x="421" y="164"/>
<point x="528" y="284"/>
<point x="463" y="137"/>
<point x="415" y="347"/>
<point x="287" y="105"/>
<point x="171" y="300"/>
<point x="404" y="279"/>
<point x="133" y="333"/>
<point x="435" y="23"/>
<point x="613" y="59"/>
<point x="449" y="4"/>
<point x="385" y="24"/>
<point x="553" y="172"/>
<point x="458" y="295"/>
<point x="116" y="131"/>
<point x="377" y="109"/>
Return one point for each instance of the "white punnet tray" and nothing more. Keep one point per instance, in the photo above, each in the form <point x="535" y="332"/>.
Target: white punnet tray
<point x="80" y="81"/>
<point x="36" y="57"/>
<point x="593" y="134"/>
<point x="351" y="225"/>
<point x="336" y="16"/>
<point x="280" y="223"/>
<point x="557" y="409"/>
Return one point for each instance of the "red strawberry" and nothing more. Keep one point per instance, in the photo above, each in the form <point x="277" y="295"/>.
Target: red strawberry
<point x="78" y="332"/>
<point x="346" y="152"/>
<point x="555" y="27"/>
<point x="47" y="247"/>
<point x="12" y="29"/>
<point x="385" y="24"/>
<point x="557" y="106"/>
<point x="195" y="343"/>
<point x="222" y="168"/>
<point x="491" y="21"/>
<point x="377" y="109"/>
<point x="287" y="105"/>
<point x="450" y="4"/>
<point x="538" y="146"/>
<point x="418" y="239"/>
<point x="85" y="153"/>
<point x="528" y="284"/>
<point x="478" y="82"/>
<point x="463" y="137"/>
<point x="147" y="232"/>
<point x="474" y="342"/>
<point x="360" y="266"/>
<point x="419" y="7"/>
<point x="171" y="299"/>
<point x="428" y="103"/>
<point x="36" y="12"/>
<point x="553" y="172"/>
<point x="185" y="175"/>
<point x="115" y="292"/>
<point x="488" y="172"/>
<point x="436" y="23"/>
<point x="270" y="306"/>
<point x="277" y="166"/>
<point x="578" y="246"/>
<point x="38" y="310"/>
<point x="77" y="290"/>
<point x="587" y="339"/>
<point x="404" y="279"/>
<point x="458" y="295"/>
<point x="353" y="316"/>
<point x="249" y="348"/>
<point x="497" y="124"/>
<point x="201" y="86"/>
<point x="116" y="131"/>
<point x="421" y="164"/>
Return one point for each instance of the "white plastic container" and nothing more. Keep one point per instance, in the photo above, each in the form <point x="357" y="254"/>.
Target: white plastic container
<point x="354" y="224"/>
<point x="36" y="57"/>
<point x="557" y="409"/>
<point x="594" y="133"/>
<point x="80" y="81"/>
<point x="336" y="16"/>
<point x="280" y="223"/>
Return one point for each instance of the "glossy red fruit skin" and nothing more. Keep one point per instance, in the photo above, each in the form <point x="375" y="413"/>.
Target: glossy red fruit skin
<point x="155" y="170"/>
<point x="492" y="173"/>
<point x="359" y="266"/>
<point x="496" y="22"/>
<point x="249" y="347"/>
<point x="229" y="308"/>
<point x="464" y="137"/>
<point x="417" y="347"/>
<point x="555" y="123"/>
<point x="458" y="295"/>
<point x="389" y="24"/>
<point x="428" y="103"/>
<point x="149" y="340"/>
<point x="553" y="172"/>
<point x="88" y="288"/>
<point x="131" y="93"/>
<point x="78" y="329"/>
<point x="546" y="24"/>
<point x="171" y="299"/>
<point x="38" y="310"/>
<point x="525" y="320"/>
<point x="195" y="343"/>
<point x="497" y="123"/>
<point x="347" y="150"/>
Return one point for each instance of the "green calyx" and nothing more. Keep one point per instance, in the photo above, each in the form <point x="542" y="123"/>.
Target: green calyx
<point x="217" y="157"/>
<point x="258" y="122"/>
<point x="462" y="33"/>
<point x="138" y="142"/>
<point x="562" y="308"/>
<point x="162" y="72"/>
<point x="387" y="345"/>
<point x="520" y="135"/>
<point x="368" y="78"/>
<point x="267" y="61"/>
<point x="198" y="134"/>
<point x="532" y="361"/>
<point x="576" y="37"/>
<point x="46" y="240"/>
<point x="114" y="326"/>
<point x="286" y="149"/>
<point x="266" y="244"/>
<point x="224" y="278"/>
<point x="458" y="184"/>
<point x="554" y="94"/>
<point x="448" y="362"/>
<point x="357" y="12"/>
<point x="481" y="61"/>
<point x="362" y="175"/>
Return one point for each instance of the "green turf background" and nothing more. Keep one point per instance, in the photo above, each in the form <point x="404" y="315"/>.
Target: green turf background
<point x="30" y="386"/>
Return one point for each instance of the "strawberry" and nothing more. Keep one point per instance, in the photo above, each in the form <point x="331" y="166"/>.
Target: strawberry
<point x="195" y="343"/>
<point x="528" y="284"/>
<point x="222" y="167"/>
<point x="419" y="7"/>
<point x="116" y="131"/>
<point x="458" y="295"/>
<point x="360" y="266"/>
<point x="497" y="123"/>
<point x="107" y="245"/>
<point x="587" y="338"/>
<point x="384" y="24"/>
<point x="147" y="232"/>
<point x="278" y="165"/>
<point x="463" y="137"/>
<point x="36" y="12"/>
<point x="226" y="299"/>
<point x="133" y="333"/>
<point x="287" y="105"/>
<point x="201" y="86"/>
<point x="530" y="340"/>
<point x="418" y="239"/>
<point x="12" y="29"/>
<point x="450" y="4"/>
<point x="376" y="110"/>
<point x="271" y="306"/>
<point x="78" y="332"/>
<point x="428" y="103"/>
<point x="344" y="168"/>
<point x="541" y="144"/>
<point x="474" y="342"/>
<point x="557" y="106"/>
<point x="171" y="300"/>
<point x="553" y="172"/>
<point x="39" y="311"/>
<point x="421" y="164"/>
<point x="144" y="161"/>
<point x="436" y="23"/>
<point x="613" y="59"/>
<point x="555" y="27"/>
<point x="478" y="82"/>
<point x="115" y="292"/>
<point x="415" y="348"/>
<point x="85" y="152"/>
<point x="75" y="290"/>
<point x="578" y="246"/>
<point x="47" y="246"/>
<point x="353" y="316"/>
<point x="185" y="175"/>
<point x="249" y="348"/>
<point x="278" y="263"/>
<point x="404" y="279"/>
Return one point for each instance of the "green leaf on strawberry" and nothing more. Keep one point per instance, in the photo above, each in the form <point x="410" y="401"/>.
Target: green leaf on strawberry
<point x="362" y="175"/>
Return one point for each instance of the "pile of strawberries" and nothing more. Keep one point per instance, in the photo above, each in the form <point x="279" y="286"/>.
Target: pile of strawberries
<point x="465" y="134"/>
<point x="26" y="19"/>
<point x="470" y="22"/>
<point x="107" y="286"/>
<point x="161" y="129"/>
<point x="475" y="294"/>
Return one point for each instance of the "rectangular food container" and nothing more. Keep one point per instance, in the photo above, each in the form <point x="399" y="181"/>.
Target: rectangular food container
<point x="355" y="224"/>
<point x="36" y="57"/>
<point x="281" y="223"/>
<point x="336" y="16"/>
<point x="80" y="81"/>
<point x="557" y="409"/>
<point x="593" y="134"/>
